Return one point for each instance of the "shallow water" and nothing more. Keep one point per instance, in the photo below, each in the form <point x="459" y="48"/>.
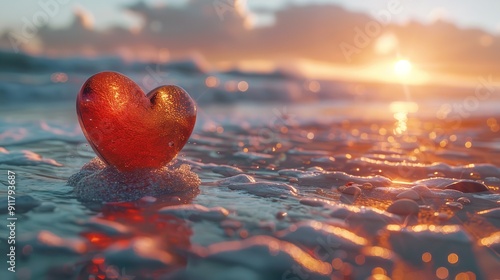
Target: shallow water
<point x="289" y="190"/>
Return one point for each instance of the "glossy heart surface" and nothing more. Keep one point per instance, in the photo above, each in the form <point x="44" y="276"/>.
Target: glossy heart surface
<point x="129" y="129"/>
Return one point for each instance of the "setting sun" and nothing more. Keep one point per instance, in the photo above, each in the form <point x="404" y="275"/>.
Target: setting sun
<point x="402" y="67"/>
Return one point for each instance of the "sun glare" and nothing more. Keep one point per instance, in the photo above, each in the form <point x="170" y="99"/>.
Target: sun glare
<point x="402" y="67"/>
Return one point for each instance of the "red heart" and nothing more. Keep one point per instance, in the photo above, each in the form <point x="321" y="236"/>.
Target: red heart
<point x="130" y="130"/>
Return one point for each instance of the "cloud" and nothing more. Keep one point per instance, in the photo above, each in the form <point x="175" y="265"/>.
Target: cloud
<point x="221" y="31"/>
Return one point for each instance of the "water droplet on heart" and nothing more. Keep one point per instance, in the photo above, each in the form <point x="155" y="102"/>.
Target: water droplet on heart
<point x="171" y="144"/>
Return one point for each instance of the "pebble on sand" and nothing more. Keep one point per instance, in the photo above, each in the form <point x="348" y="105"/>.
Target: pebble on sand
<point x="266" y="189"/>
<point x="195" y="212"/>
<point x="313" y="202"/>
<point x="403" y="207"/>
<point x="367" y="186"/>
<point x="238" y="179"/>
<point x="409" y="194"/>
<point x="226" y="170"/>
<point x="281" y="215"/>
<point x="352" y="190"/>
<point x="468" y="186"/>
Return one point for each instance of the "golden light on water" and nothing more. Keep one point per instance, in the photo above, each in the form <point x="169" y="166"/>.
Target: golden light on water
<point x="469" y="275"/>
<point x="242" y="86"/>
<point x="442" y="273"/>
<point x="452" y="258"/>
<point x="402" y="67"/>
<point x="426" y="257"/>
<point x="401" y="126"/>
<point x="401" y="110"/>
<point x="211" y="81"/>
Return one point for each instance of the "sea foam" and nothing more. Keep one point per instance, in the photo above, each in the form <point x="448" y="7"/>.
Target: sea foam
<point x="98" y="182"/>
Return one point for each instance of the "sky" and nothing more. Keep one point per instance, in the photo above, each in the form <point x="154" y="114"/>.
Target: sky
<point x="446" y="37"/>
<point x="481" y="14"/>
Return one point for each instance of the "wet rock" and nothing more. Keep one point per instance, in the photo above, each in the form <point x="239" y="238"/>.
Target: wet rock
<point x="313" y="202"/>
<point x="404" y="207"/>
<point x="422" y="190"/>
<point x="409" y="194"/>
<point x="442" y="216"/>
<point x="468" y="187"/>
<point x="367" y="186"/>
<point x="315" y="169"/>
<point x="227" y="170"/>
<point x="323" y="160"/>
<point x="293" y="180"/>
<point x="328" y="178"/>
<point x="425" y="192"/>
<point x="266" y="189"/>
<point x="347" y="199"/>
<point x="352" y="190"/>
<point x="281" y="215"/>
<point x="195" y="212"/>
<point x="238" y="179"/>
<point x="291" y="173"/>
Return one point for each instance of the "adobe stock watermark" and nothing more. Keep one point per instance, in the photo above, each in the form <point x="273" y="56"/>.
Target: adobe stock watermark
<point x="30" y="26"/>
<point x="76" y="156"/>
<point x="363" y="37"/>
<point x="154" y="78"/>
<point x="223" y="6"/>
<point x="281" y="118"/>
<point x="454" y="113"/>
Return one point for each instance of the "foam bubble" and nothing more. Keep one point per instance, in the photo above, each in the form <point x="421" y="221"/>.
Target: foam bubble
<point x="98" y="182"/>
